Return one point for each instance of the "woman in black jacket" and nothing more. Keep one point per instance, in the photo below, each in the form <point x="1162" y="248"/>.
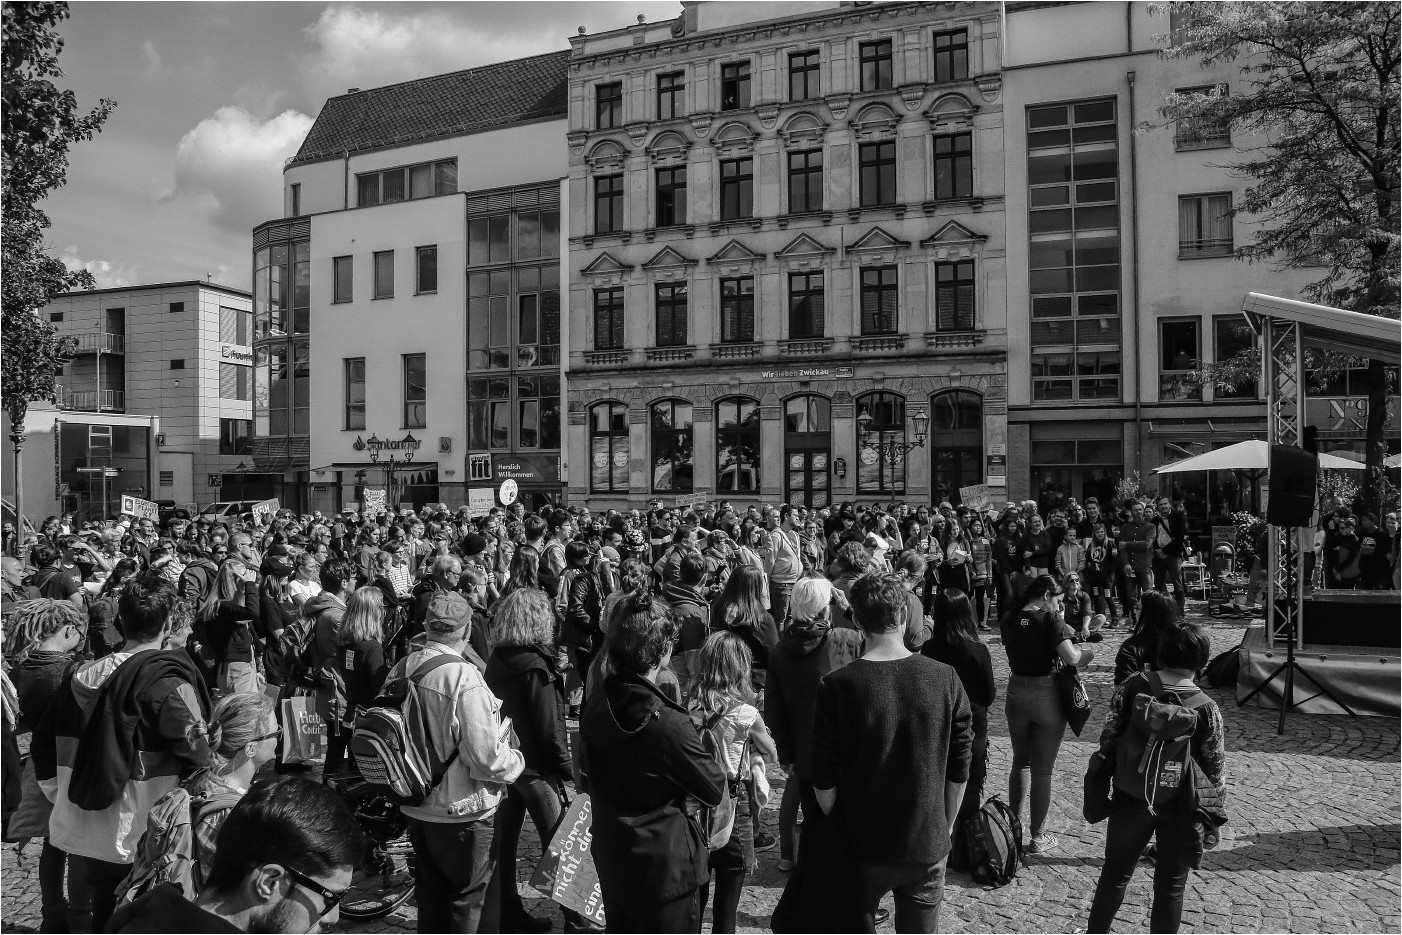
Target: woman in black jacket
<point x="524" y="672"/>
<point x="228" y="628"/>
<point x="648" y="775"/>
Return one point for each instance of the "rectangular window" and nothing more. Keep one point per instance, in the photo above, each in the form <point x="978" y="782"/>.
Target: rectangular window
<point x="737" y="181"/>
<point x="296" y="205"/>
<point x="177" y="308"/>
<point x="880" y="302"/>
<point x="166" y="478"/>
<point x="954" y="296"/>
<point x="235" y="326"/>
<point x="954" y="166"/>
<point x="355" y="392"/>
<point x="1074" y="251"/>
<point x="878" y="162"/>
<point x="235" y="382"/>
<point x="952" y="55"/>
<point x="806" y="181"/>
<point x="55" y="316"/>
<point x="538" y="412"/>
<point x="608" y="319"/>
<point x="384" y="274"/>
<point x="177" y="364"/>
<point x="803" y="75"/>
<point x="876" y="65"/>
<point x="1205" y="225"/>
<point x="489" y="320"/>
<point x="342" y="270"/>
<point x="670" y="90"/>
<point x="737" y="310"/>
<point x="671" y="316"/>
<point x="489" y="413"/>
<point x="671" y="196"/>
<point x="415" y="391"/>
<point x="1232" y="336"/>
<point x="735" y="86"/>
<point x="806" y="309"/>
<point x="608" y="204"/>
<point x="1202" y="133"/>
<point x="608" y="105"/>
<point x="489" y="240"/>
<point x="235" y="436"/>
<point x="425" y="269"/>
<point x="400" y="183"/>
<point x="1178" y="359"/>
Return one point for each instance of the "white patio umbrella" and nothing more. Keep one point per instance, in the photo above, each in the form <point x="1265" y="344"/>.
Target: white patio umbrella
<point x="1251" y="455"/>
<point x="1392" y="461"/>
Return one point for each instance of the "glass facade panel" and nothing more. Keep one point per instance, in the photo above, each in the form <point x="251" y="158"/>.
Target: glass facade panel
<point x="737" y="445"/>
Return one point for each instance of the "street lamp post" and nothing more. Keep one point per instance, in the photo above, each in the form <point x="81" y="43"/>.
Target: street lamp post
<point x="242" y="470"/>
<point x="890" y="450"/>
<point x="391" y="466"/>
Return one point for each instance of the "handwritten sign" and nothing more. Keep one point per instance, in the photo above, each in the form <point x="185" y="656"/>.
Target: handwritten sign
<point x="265" y="508"/>
<point x="480" y="501"/>
<point x="977" y="497"/>
<point x="141" y="509"/>
<point x="374" y="501"/>
<point x="566" y="873"/>
<point x="1223" y="535"/>
<point x="694" y="500"/>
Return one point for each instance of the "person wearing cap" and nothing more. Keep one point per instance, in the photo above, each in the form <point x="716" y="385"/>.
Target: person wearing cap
<point x="458" y="720"/>
<point x="1035" y="636"/>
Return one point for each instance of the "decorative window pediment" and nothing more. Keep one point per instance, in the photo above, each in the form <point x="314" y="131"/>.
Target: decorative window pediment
<point x="876" y="245"/>
<point x="954" y="241"/>
<point x="668" y="147"/>
<point x="803" y="131"/>
<point x="668" y="264"/>
<point x="734" y="257"/>
<point x="804" y="253"/>
<point x="951" y="112"/>
<point x="609" y="154"/>
<point x="734" y="139"/>
<point x="875" y="122"/>
<point x="606" y="270"/>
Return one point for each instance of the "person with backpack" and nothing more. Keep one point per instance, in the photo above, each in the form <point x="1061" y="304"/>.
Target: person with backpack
<point x="1154" y="777"/>
<point x="456" y="724"/>
<point x="183" y="825"/>
<point x="284" y="861"/>
<point x="1036" y="638"/>
<point x="104" y="629"/>
<point x="53" y="579"/>
<point x="723" y="704"/>
<point x="649" y="777"/>
<point x="692" y="614"/>
<point x="1157" y="614"/>
<point x="578" y="606"/>
<point x="353" y="676"/>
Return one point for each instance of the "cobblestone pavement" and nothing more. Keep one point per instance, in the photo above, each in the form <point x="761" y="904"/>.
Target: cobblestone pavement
<point x="1312" y="845"/>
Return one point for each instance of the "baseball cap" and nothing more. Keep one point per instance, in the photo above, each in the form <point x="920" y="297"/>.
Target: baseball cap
<point x="610" y="553"/>
<point x="447" y="612"/>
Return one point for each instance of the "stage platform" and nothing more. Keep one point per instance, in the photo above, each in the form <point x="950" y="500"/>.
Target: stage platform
<point x="1368" y="680"/>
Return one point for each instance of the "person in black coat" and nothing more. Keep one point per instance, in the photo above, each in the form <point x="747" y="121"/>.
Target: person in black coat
<point x="1170" y="549"/>
<point x="648" y="775"/>
<point x="524" y="673"/>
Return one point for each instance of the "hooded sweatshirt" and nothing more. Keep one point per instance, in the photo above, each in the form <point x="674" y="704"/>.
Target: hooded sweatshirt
<point x="527" y="679"/>
<point x="648" y="774"/>
<point x="104" y="776"/>
<point x="806" y="652"/>
<point x="326" y="610"/>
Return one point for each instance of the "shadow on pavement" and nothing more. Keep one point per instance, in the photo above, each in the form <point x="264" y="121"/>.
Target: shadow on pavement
<point x="1340" y="848"/>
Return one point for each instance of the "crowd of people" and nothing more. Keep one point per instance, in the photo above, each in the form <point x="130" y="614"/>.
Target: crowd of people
<point x="702" y="653"/>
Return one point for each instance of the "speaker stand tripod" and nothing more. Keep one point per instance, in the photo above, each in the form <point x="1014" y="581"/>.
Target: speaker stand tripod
<point x="1290" y="666"/>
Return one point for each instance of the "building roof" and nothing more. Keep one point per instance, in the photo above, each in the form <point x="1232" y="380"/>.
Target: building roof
<point x="152" y="287"/>
<point x="455" y="104"/>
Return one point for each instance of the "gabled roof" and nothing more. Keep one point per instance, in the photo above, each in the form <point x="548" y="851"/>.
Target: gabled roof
<point x="803" y="245"/>
<point x="455" y="104"/>
<point x="667" y="257"/>
<point x="953" y="232"/>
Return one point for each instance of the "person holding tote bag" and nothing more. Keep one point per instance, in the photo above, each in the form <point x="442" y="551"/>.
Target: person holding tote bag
<point x="1035" y="638"/>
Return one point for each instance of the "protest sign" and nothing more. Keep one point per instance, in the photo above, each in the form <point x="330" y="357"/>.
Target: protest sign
<point x="141" y="509"/>
<point x="266" y="508"/>
<point x="566" y="873"/>
<point x="374" y="501"/>
<point x="977" y="497"/>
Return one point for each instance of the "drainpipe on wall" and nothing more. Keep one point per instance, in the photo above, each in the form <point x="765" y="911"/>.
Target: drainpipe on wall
<point x="345" y="180"/>
<point x="1134" y="265"/>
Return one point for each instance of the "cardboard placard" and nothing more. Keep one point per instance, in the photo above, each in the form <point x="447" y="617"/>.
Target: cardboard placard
<point x="566" y="873"/>
<point x="141" y="509"/>
<point x="374" y="501"/>
<point x="692" y="500"/>
<point x="977" y="497"/>
<point x="265" y="508"/>
<point x="1223" y="535"/>
<point x="480" y="501"/>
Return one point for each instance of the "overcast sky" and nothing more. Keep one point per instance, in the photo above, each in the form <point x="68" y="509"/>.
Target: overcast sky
<point x="213" y="97"/>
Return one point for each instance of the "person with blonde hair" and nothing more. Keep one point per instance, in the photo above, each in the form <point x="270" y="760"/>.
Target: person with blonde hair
<point x="524" y="672"/>
<point x="359" y="664"/>
<point x="224" y="628"/>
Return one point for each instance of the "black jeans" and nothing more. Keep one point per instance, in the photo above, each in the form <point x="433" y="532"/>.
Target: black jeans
<point x="103" y="879"/>
<point x="1130" y="829"/>
<point x="679" y="915"/>
<point x="919" y="890"/>
<point x="731" y="864"/>
<point x="455" y="865"/>
<point x="540" y="798"/>
<point x="60" y="913"/>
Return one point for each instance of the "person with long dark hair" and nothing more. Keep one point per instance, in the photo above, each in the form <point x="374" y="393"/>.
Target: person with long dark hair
<point x="1157" y="613"/>
<point x="740" y="610"/>
<point x="1007" y="560"/>
<point x="1035" y="637"/>
<point x="104" y="628"/>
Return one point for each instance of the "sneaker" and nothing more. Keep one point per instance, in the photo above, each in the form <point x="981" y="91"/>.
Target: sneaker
<point x="1095" y="636"/>
<point x="1046" y="841"/>
<point x="882" y="916"/>
<point x="786" y="865"/>
<point x="765" y="841"/>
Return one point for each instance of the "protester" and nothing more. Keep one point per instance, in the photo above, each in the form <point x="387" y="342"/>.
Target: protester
<point x="1156" y="615"/>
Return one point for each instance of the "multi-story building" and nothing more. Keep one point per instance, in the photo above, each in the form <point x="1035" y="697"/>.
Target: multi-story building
<point x="786" y="255"/>
<point x="180" y="352"/>
<point x="1121" y="280"/>
<point x="407" y="315"/>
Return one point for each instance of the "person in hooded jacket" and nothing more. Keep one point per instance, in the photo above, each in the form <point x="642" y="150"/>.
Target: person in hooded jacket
<point x="648" y="774"/>
<point x="692" y="614"/>
<point x="808" y="650"/>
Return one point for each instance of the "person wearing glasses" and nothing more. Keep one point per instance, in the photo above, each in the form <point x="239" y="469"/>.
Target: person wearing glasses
<point x="282" y="863"/>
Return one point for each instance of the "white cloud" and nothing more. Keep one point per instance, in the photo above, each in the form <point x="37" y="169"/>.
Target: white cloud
<point x="153" y="58"/>
<point x="359" y="48"/>
<point x="106" y="274"/>
<point x="230" y="165"/>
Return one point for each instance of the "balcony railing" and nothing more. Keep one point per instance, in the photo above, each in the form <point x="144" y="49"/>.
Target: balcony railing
<point x="735" y="351"/>
<point x="686" y="352"/>
<point x="884" y="342"/>
<point x="1202" y="136"/>
<point x="805" y="347"/>
<point x="607" y="358"/>
<point x="102" y="343"/>
<point x="946" y="339"/>
<point x="93" y="400"/>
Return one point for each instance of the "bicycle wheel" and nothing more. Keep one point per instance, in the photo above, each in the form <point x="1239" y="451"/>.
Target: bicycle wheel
<point x="382" y="882"/>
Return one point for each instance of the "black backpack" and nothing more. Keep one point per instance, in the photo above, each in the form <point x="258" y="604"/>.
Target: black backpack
<point x="991" y="841"/>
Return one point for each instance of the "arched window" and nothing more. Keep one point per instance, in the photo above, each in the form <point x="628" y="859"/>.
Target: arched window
<point x="956" y="443"/>
<point x="608" y="448"/>
<point x="881" y="445"/>
<point x="737" y="445"/>
<point x="807" y="451"/>
<point x="671" y="446"/>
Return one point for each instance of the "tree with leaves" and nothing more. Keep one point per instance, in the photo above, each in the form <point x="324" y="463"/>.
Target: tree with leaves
<point x="41" y="122"/>
<point x="1319" y="88"/>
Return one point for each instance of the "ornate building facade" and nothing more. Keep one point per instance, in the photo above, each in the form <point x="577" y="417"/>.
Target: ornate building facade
<point x="786" y="255"/>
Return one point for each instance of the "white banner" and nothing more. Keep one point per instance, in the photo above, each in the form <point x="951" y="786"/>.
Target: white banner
<point x="374" y="501"/>
<point x="141" y="509"/>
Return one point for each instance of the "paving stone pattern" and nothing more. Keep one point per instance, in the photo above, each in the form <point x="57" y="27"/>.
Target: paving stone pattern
<point x="1312" y="845"/>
